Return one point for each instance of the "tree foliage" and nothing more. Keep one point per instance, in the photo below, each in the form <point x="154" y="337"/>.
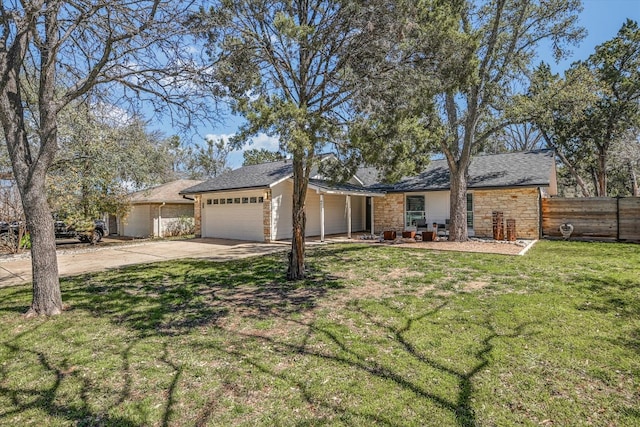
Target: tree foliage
<point x="207" y="161"/>
<point x="101" y="159"/>
<point x="54" y="52"/>
<point x="255" y="156"/>
<point x="592" y="112"/>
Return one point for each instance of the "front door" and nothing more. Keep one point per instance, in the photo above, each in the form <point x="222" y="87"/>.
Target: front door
<point x="367" y="225"/>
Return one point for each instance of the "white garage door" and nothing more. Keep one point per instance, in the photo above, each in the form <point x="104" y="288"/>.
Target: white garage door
<point x="233" y="216"/>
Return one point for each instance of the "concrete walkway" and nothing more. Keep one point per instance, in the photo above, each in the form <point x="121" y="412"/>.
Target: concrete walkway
<point x="15" y="270"/>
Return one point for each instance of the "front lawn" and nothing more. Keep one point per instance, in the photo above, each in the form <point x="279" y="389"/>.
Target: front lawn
<point x="377" y="335"/>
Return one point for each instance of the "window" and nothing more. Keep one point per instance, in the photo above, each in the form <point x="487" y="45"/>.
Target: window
<point x="223" y="201"/>
<point x="215" y="201"/>
<point x="253" y="199"/>
<point x="260" y="199"/>
<point x="415" y="210"/>
<point x="469" y="210"/>
<point x="236" y="200"/>
<point x="208" y="201"/>
<point x="245" y="200"/>
<point x="229" y="201"/>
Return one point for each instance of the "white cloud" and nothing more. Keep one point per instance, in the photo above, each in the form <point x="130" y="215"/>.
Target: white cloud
<point x="270" y="143"/>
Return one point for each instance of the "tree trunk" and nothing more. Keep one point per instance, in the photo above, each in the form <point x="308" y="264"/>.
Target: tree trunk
<point x="602" y="173"/>
<point x="583" y="187"/>
<point x="47" y="298"/>
<point x="458" y="203"/>
<point x="634" y="181"/>
<point x="296" y="269"/>
<point x="30" y="166"/>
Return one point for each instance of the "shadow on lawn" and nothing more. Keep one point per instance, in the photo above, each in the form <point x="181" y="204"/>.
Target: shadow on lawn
<point x="162" y="299"/>
<point x="352" y="358"/>
<point x="175" y="297"/>
<point x="45" y="397"/>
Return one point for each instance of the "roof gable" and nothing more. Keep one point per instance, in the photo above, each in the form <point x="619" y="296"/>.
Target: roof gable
<point x="252" y="176"/>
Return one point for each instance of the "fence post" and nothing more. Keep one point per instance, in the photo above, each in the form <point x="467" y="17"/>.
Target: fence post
<point x="618" y="218"/>
<point x="540" y="218"/>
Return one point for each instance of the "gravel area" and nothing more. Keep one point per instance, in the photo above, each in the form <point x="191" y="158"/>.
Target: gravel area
<point x="519" y="247"/>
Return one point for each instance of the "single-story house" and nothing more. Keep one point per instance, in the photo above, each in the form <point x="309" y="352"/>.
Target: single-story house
<point x="254" y="202"/>
<point x="511" y="183"/>
<point x="155" y="212"/>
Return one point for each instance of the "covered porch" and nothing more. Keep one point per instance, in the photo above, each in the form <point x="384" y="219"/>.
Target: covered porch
<point x="358" y="207"/>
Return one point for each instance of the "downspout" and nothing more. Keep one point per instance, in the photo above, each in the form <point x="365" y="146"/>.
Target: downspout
<point x="372" y="218"/>
<point x="160" y="219"/>
<point x="348" y="216"/>
<point x="321" y="217"/>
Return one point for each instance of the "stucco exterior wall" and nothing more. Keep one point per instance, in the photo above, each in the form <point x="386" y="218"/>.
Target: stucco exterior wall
<point x="388" y="212"/>
<point x="521" y="204"/>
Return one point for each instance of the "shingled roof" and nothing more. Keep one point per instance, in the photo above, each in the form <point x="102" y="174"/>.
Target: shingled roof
<point x="246" y="177"/>
<point x="167" y="193"/>
<point x="530" y="168"/>
<point x="521" y="169"/>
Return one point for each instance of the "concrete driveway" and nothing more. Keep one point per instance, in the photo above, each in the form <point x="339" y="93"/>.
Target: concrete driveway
<point x="15" y="270"/>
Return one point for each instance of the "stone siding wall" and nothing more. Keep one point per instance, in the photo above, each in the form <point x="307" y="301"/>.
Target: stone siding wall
<point x="266" y="216"/>
<point x="388" y="212"/>
<point x="521" y="204"/>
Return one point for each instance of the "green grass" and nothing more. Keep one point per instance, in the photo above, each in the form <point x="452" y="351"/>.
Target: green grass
<point x="376" y="336"/>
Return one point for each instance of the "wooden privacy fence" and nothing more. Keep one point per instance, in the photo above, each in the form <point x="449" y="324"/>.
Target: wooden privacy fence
<point x="599" y="218"/>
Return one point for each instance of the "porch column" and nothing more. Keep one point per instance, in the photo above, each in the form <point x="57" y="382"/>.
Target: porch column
<point x="322" y="217"/>
<point x="348" y="217"/>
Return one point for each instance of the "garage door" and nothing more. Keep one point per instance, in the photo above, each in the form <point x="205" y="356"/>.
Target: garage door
<point x="233" y="216"/>
<point x="138" y="222"/>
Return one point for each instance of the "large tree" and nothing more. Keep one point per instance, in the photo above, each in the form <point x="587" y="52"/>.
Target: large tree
<point x="495" y="44"/>
<point x="53" y="52"/>
<point x="556" y="106"/>
<point x="616" y="65"/>
<point x="508" y="33"/>
<point x="101" y="158"/>
<point x="289" y="68"/>
<point x="593" y="112"/>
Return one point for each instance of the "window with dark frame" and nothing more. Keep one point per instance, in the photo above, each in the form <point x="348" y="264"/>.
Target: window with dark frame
<point x="236" y="200"/>
<point x="215" y="201"/>
<point x="229" y="201"/>
<point x="223" y="201"/>
<point x="208" y="201"/>
<point x="245" y="200"/>
<point x="260" y="199"/>
<point x="253" y="199"/>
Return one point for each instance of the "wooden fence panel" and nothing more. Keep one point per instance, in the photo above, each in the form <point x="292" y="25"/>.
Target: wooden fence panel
<point x="630" y="218"/>
<point x="599" y="218"/>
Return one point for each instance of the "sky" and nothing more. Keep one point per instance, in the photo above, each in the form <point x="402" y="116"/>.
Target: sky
<point x="601" y="18"/>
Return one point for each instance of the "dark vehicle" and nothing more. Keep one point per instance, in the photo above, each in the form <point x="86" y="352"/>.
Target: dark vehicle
<point x="10" y="227"/>
<point x="64" y="231"/>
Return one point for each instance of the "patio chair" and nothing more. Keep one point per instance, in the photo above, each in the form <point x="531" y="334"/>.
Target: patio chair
<point x="421" y="225"/>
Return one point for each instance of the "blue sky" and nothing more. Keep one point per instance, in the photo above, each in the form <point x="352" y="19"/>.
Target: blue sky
<point x="601" y="18"/>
